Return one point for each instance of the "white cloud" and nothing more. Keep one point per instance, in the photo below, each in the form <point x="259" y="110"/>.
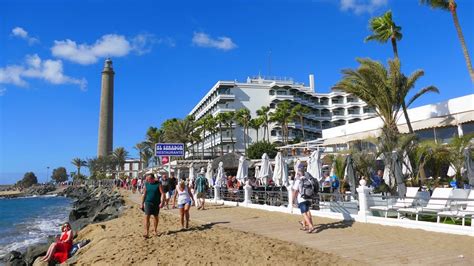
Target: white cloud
<point x="362" y="6"/>
<point x="202" y="39"/>
<point x="23" y="34"/>
<point x="109" y="45"/>
<point x="50" y="71"/>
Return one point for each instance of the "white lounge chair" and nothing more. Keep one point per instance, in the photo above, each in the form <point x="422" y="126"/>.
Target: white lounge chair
<point x="437" y="203"/>
<point x="460" y="213"/>
<point x="400" y="203"/>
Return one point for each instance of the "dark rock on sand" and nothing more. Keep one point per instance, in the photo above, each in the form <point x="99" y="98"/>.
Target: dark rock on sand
<point x="34" y="252"/>
<point x="15" y="258"/>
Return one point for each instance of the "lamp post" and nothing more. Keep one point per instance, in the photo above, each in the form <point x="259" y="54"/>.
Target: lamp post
<point x="47" y="174"/>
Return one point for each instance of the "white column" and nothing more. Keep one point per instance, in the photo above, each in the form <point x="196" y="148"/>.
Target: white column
<point x="460" y="131"/>
<point x="363" y="192"/>
<point x="247" y="193"/>
<point x="289" y="189"/>
<point x="216" y="193"/>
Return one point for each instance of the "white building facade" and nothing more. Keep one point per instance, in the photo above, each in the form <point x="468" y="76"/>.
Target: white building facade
<point x="331" y="109"/>
<point x="439" y="121"/>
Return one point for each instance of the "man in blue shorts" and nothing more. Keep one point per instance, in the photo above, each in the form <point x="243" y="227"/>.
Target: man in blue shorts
<point x="303" y="204"/>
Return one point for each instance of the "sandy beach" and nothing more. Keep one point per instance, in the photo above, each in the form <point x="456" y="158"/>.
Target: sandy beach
<point x="236" y="236"/>
<point x="10" y="193"/>
<point x="120" y="241"/>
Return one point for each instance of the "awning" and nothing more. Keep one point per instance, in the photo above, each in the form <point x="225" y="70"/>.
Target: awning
<point x="352" y="137"/>
<point x="439" y="122"/>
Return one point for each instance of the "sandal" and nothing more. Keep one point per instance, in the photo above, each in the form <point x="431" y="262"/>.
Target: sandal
<point x="311" y="230"/>
<point x="146" y="236"/>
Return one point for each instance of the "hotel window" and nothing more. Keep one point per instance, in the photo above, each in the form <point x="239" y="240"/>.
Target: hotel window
<point x="281" y="92"/>
<point x="272" y="92"/>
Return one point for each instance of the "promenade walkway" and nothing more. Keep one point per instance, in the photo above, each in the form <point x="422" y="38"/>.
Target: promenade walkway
<point x="365" y="243"/>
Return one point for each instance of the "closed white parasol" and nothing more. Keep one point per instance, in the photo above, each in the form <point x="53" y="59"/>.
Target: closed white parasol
<point x="280" y="173"/>
<point x="265" y="170"/>
<point x="242" y="170"/>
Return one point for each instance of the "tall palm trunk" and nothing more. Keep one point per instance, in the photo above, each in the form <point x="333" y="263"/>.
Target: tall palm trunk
<point x="302" y="126"/>
<point x="245" y="140"/>
<point x="407" y="118"/>
<point x="257" y="133"/>
<point x="203" y="142"/>
<point x="221" y="144"/>
<point x="232" y="137"/>
<point x="78" y="171"/>
<point x="452" y="8"/>
<point x="394" y="46"/>
<point x="268" y="132"/>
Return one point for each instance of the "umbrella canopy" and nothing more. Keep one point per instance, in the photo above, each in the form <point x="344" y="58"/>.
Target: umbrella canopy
<point x="397" y="173"/>
<point x="406" y="166"/>
<point x="451" y="170"/>
<point x="265" y="169"/>
<point x="280" y="174"/>
<point x="243" y="169"/>
<point x="257" y="170"/>
<point x="469" y="165"/>
<point x="314" y="164"/>
<point x="191" y="173"/>
<point x="209" y="172"/>
<point x="350" y="174"/>
<point x="221" y="179"/>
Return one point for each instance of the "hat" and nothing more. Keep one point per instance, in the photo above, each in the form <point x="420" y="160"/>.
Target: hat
<point x="202" y="171"/>
<point x="149" y="172"/>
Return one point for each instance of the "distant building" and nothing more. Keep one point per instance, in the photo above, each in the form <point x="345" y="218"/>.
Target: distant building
<point x="131" y="168"/>
<point x="327" y="110"/>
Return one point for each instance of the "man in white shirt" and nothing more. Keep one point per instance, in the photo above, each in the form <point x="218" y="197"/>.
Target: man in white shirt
<point x="303" y="204"/>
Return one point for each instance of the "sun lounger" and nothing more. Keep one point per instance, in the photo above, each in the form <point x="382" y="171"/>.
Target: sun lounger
<point x="400" y="203"/>
<point x="458" y="212"/>
<point x="437" y="203"/>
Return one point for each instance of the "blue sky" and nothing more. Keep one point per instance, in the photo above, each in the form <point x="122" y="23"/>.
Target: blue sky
<point x="167" y="54"/>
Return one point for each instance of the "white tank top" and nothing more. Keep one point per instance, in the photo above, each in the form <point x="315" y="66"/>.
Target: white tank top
<point x="183" y="196"/>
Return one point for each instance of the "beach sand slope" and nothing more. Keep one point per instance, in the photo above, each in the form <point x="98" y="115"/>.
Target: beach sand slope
<point x="120" y="241"/>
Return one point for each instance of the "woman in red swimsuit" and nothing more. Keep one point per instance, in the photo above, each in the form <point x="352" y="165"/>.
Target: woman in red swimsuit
<point x="59" y="251"/>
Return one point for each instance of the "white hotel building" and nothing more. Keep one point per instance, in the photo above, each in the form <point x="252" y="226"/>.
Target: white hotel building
<point x="327" y="109"/>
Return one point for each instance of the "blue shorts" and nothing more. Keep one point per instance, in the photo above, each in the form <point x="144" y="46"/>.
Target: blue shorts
<point x="180" y="206"/>
<point x="304" y="206"/>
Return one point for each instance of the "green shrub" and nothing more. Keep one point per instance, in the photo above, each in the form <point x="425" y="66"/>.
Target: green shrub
<point x="256" y="150"/>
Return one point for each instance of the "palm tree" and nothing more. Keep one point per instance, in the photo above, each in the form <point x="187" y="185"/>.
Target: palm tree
<point x="263" y="114"/>
<point x="120" y="155"/>
<point x="229" y="122"/>
<point x="210" y="125"/>
<point x="282" y="116"/>
<point x="220" y="119"/>
<point x="140" y="147"/>
<point x="299" y="111"/>
<point x="179" y="130"/>
<point x="451" y="6"/>
<point x="78" y="162"/>
<point x="383" y="89"/>
<point x="456" y="151"/>
<point x="153" y="136"/>
<point x="243" y="119"/>
<point x="383" y="29"/>
<point x="256" y="124"/>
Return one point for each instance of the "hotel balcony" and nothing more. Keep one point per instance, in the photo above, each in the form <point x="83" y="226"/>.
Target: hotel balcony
<point x="223" y="110"/>
<point x="217" y="99"/>
<point x="281" y="97"/>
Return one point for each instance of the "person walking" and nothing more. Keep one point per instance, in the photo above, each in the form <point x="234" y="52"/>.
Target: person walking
<point x="184" y="196"/>
<point x="165" y="183"/>
<point x="152" y="200"/>
<point x="200" y="187"/>
<point x="173" y="182"/>
<point x="303" y="190"/>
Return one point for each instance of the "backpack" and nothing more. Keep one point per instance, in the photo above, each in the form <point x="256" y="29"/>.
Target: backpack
<point x="309" y="187"/>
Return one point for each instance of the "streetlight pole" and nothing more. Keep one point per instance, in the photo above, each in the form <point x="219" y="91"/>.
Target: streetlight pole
<point x="47" y="174"/>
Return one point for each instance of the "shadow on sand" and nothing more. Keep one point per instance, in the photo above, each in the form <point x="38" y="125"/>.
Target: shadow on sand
<point x="202" y="227"/>
<point x="335" y="225"/>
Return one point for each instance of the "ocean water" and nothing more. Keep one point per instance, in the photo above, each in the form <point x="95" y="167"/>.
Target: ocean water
<point x="29" y="220"/>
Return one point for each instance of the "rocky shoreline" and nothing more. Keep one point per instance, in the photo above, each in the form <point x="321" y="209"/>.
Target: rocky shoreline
<point x="91" y="205"/>
<point x="36" y="190"/>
